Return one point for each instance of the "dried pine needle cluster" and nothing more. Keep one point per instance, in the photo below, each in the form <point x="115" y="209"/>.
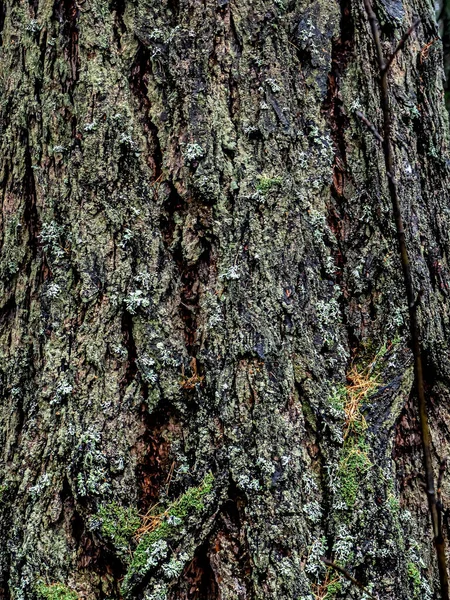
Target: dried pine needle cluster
<point x="361" y="383"/>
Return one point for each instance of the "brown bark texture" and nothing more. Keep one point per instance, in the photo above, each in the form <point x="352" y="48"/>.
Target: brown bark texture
<point x="206" y="382"/>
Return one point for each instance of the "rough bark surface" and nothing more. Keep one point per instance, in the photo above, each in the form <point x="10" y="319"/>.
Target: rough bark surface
<point x="444" y="23"/>
<point x="201" y="303"/>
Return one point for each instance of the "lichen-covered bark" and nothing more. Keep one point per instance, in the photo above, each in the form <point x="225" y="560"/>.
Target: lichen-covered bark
<point x="201" y="301"/>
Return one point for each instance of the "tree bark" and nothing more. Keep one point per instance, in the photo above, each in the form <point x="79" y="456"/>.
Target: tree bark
<point x="444" y="21"/>
<point x="205" y="375"/>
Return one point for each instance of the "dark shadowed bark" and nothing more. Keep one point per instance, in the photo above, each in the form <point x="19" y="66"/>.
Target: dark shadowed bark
<point x="444" y="22"/>
<point x="205" y="374"/>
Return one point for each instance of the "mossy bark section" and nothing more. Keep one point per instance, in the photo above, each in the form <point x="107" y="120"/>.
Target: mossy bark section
<point x="196" y="242"/>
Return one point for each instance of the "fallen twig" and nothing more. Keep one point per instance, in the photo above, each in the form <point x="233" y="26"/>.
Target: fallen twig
<point x="400" y="45"/>
<point x="347" y="575"/>
<point x="369" y="126"/>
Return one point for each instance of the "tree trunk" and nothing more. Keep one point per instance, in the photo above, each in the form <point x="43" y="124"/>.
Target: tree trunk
<point x="206" y="382"/>
<point x="444" y="22"/>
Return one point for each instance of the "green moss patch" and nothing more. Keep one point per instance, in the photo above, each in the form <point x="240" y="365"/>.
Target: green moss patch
<point x="118" y="524"/>
<point x="353" y="467"/>
<point x="265" y="184"/>
<point x="152" y="546"/>
<point x="414" y="576"/>
<point x="56" y="591"/>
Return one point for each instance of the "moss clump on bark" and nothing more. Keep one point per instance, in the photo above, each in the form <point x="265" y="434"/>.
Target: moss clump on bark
<point x="118" y="524"/>
<point x="56" y="591"/>
<point x="362" y="381"/>
<point x="265" y="184"/>
<point x="414" y="575"/>
<point x="354" y="465"/>
<point x="193" y="499"/>
<point x="152" y="547"/>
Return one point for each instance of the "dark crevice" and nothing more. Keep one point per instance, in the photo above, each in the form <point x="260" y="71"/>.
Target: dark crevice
<point x="77" y="525"/>
<point x="192" y="275"/>
<point x="222" y="564"/>
<point x="66" y="12"/>
<point x="174" y="204"/>
<point x="342" y="51"/>
<point x="4" y="588"/>
<point x="174" y="7"/>
<point x="155" y="458"/>
<point x="6" y="169"/>
<point x="30" y="212"/>
<point x="38" y="78"/>
<point x="191" y="279"/>
<point x="98" y="558"/>
<point x="228" y="548"/>
<point x="197" y="581"/>
<point x="34" y="4"/>
<point x="7" y="311"/>
<point x="118" y="6"/>
<point x="2" y="20"/>
<point x="334" y="112"/>
<point x="128" y="340"/>
<point x="237" y="38"/>
<point x="140" y="74"/>
<point x="93" y="555"/>
<point x="233" y="79"/>
<point x="73" y="517"/>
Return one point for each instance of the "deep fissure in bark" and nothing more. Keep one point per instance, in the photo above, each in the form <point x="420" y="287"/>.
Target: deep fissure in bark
<point x="341" y="54"/>
<point x="34" y="4"/>
<point x="129" y="343"/>
<point x="2" y="20"/>
<point x="119" y="26"/>
<point x="66" y="12"/>
<point x="8" y="310"/>
<point x="4" y="589"/>
<point x="102" y="560"/>
<point x="225" y="550"/>
<point x="197" y="581"/>
<point x="30" y="213"/>
<point x="192" y="274"/>
<point x="141" y="71"/>
<point x="191" y="279"/>
<point x="338" y="219"/>
<point x="156" y="463"/>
